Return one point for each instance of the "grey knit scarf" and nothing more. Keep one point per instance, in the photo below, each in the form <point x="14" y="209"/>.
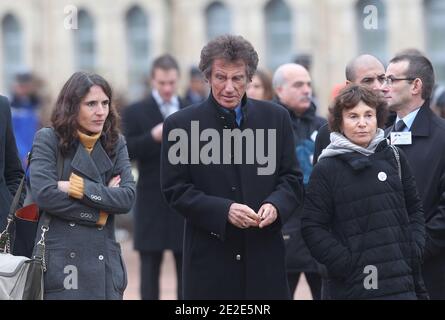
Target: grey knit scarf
<point x="341" y="145"/>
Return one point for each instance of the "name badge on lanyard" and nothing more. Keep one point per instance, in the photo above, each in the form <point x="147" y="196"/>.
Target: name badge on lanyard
<point x="401" y="138"/>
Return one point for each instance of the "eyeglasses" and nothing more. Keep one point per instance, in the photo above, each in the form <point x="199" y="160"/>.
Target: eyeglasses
<point x="389" y="80"/>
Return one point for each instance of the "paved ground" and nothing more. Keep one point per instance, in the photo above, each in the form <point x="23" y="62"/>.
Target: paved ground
<point x="168" y="280"/>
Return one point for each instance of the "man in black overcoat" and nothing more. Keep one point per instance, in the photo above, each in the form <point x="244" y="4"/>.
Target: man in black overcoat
<point x="229" y="167"/>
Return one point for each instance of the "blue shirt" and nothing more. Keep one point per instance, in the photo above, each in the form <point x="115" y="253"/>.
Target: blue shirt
<point x="239" y="115"/>
<point x="408" y="119"/>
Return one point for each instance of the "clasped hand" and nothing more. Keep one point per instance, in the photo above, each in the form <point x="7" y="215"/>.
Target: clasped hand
<point x="244" y="217"/>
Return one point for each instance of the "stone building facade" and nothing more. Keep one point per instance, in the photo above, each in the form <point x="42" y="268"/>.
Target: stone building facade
<point x="120" y="38"/>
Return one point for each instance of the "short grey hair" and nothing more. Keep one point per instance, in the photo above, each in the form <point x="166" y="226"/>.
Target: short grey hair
<point x="229" y="48"/>
<point x="278" y="78"/>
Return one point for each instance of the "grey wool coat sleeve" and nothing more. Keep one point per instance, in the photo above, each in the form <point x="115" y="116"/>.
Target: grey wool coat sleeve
<point x="43" y="178"/>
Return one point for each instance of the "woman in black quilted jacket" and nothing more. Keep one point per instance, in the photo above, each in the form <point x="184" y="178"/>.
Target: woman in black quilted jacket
<point x="363" y="218"/>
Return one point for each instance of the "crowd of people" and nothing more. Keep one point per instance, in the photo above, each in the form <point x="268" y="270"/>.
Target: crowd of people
<point x="356" y="201"/>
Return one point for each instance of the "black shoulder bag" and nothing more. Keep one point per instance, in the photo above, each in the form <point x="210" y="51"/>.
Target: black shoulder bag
<point x="21" y="278"/>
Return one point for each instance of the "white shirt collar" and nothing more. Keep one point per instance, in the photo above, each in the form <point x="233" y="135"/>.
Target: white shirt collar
<point x="172" y="105"/>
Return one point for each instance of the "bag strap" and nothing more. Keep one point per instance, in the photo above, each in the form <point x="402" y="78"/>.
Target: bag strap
<point x="5" y="241"/>
<point x="397" y="156"/>
<point x="15" y="202"/>
<point x="39" y="249"/>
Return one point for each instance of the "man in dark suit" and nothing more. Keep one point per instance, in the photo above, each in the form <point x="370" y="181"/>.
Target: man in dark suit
<point x="366" y="70"/>
<point x="234" y="200"/>
<point x="157" y="227"/>
<point x="11" y="171"/>
<point x="421" y="135"/>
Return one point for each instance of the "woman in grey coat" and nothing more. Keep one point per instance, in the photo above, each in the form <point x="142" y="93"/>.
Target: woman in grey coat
<point x="81" y="197"/>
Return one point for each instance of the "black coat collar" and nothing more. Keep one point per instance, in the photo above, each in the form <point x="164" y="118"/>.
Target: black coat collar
<point x="227" y="120"/>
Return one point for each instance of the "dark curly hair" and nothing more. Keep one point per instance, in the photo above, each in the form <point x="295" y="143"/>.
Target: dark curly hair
<point x="230" y="48"/>
<point x="349" y="97"/>
<point x="65" y="113"/>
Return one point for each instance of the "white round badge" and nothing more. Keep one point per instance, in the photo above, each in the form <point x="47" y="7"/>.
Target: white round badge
<point x="382" y="176"/>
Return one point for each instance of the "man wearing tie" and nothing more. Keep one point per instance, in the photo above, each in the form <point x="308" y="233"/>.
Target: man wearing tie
<point x="157" y="227"/>
<point x="421" y="135"/>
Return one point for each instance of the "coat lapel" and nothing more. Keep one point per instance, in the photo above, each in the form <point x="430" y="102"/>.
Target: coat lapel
<point x="93" y="166"/>
<point x="101" y="159"/>
<point x="421" y="124"/>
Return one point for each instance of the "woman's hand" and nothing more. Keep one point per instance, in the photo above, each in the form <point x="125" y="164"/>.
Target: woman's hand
<point x="63" y="186"/>
<point x="114" y="182"/>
